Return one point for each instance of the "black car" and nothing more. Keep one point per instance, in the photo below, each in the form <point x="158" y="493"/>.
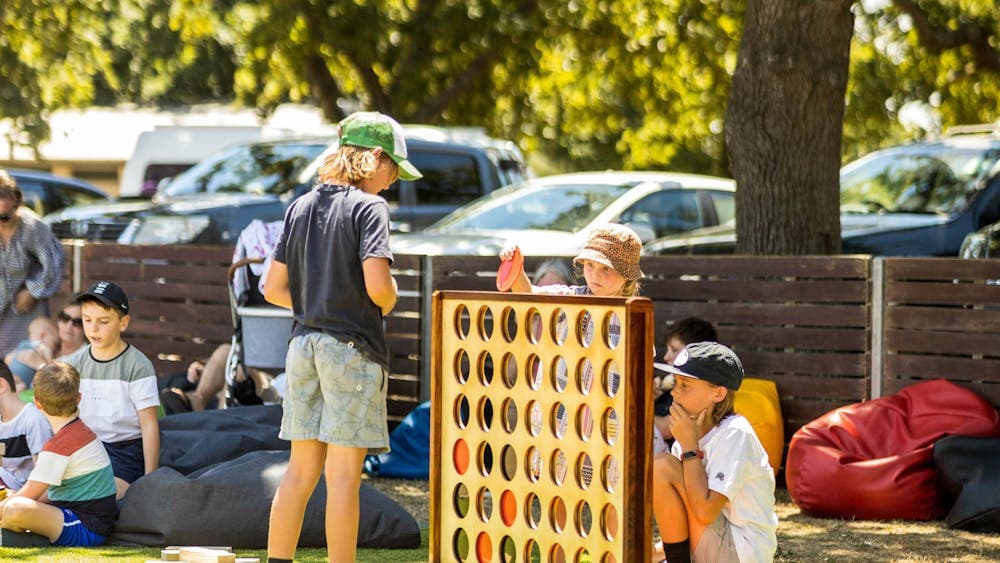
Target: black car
<point x="919" y="199"/>
<point x="214" y="200"/>
<point x="46" y="193"/>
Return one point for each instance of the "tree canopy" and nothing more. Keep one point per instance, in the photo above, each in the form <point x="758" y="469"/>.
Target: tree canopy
<point x="630" y="83"/>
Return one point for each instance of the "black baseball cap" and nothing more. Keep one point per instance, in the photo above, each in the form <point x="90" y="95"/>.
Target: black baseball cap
<point x="108" y="293"/>
<point x="709" y="361"/>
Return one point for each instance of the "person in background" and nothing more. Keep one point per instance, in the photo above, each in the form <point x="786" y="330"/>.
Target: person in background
<point x="41" y="347"/>
<point x="553" y="271"/>
<point x="679" y="335"/>
<point x="23" y="432"/>
<point x="70" y="323"/>
<point x="32" y="265"/>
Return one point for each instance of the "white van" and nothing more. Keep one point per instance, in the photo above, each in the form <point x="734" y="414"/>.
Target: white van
<point x="168" y="150"/>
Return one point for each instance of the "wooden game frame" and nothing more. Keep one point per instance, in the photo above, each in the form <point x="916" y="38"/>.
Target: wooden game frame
<point x="512" y="476"/>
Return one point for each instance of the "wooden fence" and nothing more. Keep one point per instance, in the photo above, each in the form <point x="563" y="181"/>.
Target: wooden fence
<point x="829" y="330"/>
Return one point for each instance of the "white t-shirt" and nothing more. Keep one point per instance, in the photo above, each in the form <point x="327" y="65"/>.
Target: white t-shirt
<point x="737" y="467"/>
<point x="113" y="392"/>
<point x="23" y="437"/>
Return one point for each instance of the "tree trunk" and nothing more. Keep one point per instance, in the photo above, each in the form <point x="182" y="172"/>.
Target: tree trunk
<point x="784" y="122"/>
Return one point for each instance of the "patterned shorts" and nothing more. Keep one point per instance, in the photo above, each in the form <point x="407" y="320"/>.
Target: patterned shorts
<point x="716" y="544"/>
<point x="335" y="395"/>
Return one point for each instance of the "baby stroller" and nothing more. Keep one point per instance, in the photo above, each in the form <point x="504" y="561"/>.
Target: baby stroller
<point x="260" y="330"/>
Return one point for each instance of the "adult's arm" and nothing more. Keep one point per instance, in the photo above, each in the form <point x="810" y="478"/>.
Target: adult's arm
<point x="379" y="283"/>
<point x="45" y="281"/>
<point x="276" y="288"/>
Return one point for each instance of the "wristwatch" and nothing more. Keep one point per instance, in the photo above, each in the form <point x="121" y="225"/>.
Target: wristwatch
<point x="692" y="454"/>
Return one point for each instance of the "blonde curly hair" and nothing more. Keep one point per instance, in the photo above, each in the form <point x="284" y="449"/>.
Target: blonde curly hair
<point x="352" y="165"/>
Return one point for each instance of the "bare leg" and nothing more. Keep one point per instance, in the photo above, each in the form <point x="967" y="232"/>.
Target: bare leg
<point x="21" y="514"/>
<point x="343" y="490"/>
<point x="305" y="465"/>
<point x="213" y="379"/>
<point x="120" y="487"/>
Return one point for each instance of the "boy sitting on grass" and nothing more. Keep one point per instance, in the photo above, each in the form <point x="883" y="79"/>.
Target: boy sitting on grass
<point x="73" y="468"/>
<point x="119" y="397"/>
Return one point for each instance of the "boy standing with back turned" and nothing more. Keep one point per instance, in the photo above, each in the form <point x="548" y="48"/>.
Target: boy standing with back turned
<point x="118" y="393"/>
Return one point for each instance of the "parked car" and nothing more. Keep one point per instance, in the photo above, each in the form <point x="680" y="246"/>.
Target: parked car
<point x="919" y="199"/>
<point x="552" y="215"/>
<point x="45" y="193"/>
<point x="214" y="200"/>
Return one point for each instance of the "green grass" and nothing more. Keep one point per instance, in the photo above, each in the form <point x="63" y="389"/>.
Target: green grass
<point x="143" y="554"/>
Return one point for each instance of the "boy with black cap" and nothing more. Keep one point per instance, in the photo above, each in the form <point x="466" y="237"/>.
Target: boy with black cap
<point x="331" y="267"/>
<point x="118" y="393"/>
<point x="713" y="496"/>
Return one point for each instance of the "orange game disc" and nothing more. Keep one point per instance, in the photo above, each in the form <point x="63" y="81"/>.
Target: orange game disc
<point x="509" y="271"/>
<point x="460" y="456"/>
<point x="508" y="508"/>
<point x="484" y="548"/>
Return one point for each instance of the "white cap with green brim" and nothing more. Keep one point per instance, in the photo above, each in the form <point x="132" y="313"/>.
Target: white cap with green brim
<point x="371" y="129"/>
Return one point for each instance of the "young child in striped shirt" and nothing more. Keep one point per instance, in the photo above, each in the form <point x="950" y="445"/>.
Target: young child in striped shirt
<point x="73" y="469"/>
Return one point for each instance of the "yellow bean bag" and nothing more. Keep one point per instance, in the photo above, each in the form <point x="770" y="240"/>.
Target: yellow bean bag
<point x="757" y="400"/>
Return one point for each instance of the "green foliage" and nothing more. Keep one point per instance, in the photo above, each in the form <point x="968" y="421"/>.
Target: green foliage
<point x="582" y="85"/>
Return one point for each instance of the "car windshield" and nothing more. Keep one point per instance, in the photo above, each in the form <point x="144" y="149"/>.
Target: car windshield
<point x="561" y="207"/>
<point x="258" y="169"/>
<point x="912" y="182"/>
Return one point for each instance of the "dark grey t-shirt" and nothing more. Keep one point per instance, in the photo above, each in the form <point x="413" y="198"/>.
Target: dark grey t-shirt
<point x="327" y="234"/>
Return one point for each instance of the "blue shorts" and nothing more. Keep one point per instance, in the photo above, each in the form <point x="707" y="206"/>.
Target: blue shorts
<point x="75" y="533"/>
<point x="127" y="460"/>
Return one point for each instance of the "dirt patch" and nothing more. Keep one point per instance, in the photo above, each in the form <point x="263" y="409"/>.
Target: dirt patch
<point x="804" y="538"/>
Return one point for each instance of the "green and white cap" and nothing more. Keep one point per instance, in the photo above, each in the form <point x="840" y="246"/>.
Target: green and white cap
<point x="371" y="129"/>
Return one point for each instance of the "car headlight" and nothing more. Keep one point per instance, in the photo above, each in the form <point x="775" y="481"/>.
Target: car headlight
<point x="164" y="230"/>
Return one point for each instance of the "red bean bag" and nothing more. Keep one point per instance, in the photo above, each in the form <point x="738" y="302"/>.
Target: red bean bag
<point x="874" y="460"/>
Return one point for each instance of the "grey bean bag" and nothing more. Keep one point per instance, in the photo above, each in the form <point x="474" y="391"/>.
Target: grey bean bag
<point x="969" y="468"/>
<point x="195" y="440"/>
<point x="229" y="503"/>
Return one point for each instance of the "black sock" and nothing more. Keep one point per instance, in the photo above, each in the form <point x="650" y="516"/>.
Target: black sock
<point x="276" y="560"/>
<point x="679" y="552"/>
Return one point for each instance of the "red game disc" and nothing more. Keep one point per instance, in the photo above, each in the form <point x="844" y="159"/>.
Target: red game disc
<point x="509" y="271"/>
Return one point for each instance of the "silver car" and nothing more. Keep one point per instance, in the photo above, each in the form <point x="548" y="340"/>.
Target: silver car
<point x="551" y="216"/>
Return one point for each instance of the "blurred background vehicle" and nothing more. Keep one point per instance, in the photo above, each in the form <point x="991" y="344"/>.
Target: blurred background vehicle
<point x="552" y="215"/>
<point x="46" y="193"/>
<point x="984" y="243"/>
<point x="919" y="199"/>
<point x="213" y="201"/>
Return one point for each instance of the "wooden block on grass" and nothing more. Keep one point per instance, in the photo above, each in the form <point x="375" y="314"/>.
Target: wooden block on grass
<point x="170" y="554"/>
<point x="9" y="538"/>
<point x="218" y="547"/>
<point x="206" y="555"/>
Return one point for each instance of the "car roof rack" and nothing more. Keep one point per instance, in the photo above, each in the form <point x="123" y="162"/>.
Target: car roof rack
<point x="973" y="129"/>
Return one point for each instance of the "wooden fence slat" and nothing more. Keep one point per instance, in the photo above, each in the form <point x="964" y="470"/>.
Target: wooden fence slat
<point x="830" y="339"/>
<point x="913" y="366"/>
<point x="942" y="342"/>
<point x="944" y="318"/>
<point x="904" y="269"/>
<point x="810" y="291"/>
<point x="756" y="314"/>
<point x="767" y="363"/>
<point x="811" y="267"/>
<point x="935" y="293"/>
